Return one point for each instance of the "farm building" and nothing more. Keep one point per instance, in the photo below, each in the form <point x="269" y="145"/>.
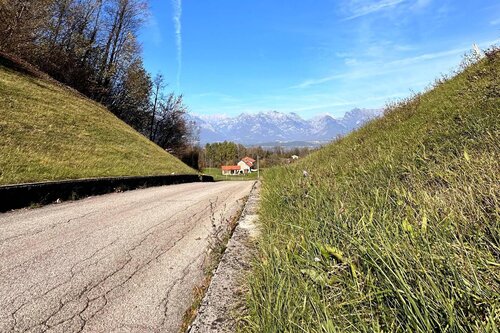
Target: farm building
<point x="246" y="165"/>
<point x="230" y="170"/>
<point x="248" y="161"/>
<point x="245" y="168"/>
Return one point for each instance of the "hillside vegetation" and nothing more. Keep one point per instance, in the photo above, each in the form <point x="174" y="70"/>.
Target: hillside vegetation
<point x="50" y="132"/>
<point x="397" y="226"/>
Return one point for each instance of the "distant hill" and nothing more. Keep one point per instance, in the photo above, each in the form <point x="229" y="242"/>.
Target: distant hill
<point x="278" y="127"/>
<point x="50" y="132"/>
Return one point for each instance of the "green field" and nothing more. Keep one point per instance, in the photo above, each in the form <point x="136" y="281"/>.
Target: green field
<point x="217" y="174"/>
<point x="397" y="226"/>
<point x="48" y="132"/>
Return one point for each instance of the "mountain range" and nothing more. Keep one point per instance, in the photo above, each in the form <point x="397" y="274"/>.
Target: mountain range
<point x="278" y="127"/>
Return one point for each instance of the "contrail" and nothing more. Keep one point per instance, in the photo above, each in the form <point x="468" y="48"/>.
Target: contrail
<point x="177" y="4"/>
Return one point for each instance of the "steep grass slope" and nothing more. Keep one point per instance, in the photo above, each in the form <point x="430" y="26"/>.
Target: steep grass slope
<point x="49" y="132"/>
<point x="397" y="226"/>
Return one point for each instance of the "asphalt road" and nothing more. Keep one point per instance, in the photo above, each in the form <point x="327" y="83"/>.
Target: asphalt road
<point x="125" y="262"/>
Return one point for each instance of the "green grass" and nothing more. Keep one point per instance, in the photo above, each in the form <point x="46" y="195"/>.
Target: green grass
<point x="48" y="132"/>
<point x="217" y="174"/>
<point x="397" y="227"/>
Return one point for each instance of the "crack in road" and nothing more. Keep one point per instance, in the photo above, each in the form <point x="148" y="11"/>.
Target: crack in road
<point x="49" y="227"/>
<point x="165" y="300"/>
<point x="87" y="291"/>
<point x="72" y="298"/>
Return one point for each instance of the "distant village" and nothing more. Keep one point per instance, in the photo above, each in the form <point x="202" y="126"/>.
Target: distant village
<point x="233" y="159"/>
<point x="246" y="165"/>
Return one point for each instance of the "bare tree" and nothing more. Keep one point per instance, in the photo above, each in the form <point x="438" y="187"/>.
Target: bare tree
<point x="131" y="96"/>
<point x="126" y="17"/>
<point x="173" y="131"/>
<point x="158" y="86"/>
<point x="21" y="23"/>
<point x="92" y="46"/>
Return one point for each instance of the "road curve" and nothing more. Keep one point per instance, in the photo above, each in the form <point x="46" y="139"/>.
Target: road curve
<point x="125" y="262"/>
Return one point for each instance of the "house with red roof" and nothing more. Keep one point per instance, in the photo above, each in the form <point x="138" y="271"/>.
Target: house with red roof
<point x="228" y="170"/>
<point x="248" y="161"/>
<point x="246" y="165"/>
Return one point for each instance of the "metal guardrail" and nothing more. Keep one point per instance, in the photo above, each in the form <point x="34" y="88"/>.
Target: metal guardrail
<point x="25" y="195"/>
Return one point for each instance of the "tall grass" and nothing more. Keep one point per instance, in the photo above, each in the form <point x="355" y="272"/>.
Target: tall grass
<point x="397" y="226"/>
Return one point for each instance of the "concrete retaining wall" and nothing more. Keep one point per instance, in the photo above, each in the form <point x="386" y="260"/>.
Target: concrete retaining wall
<point x="23" y="195"/>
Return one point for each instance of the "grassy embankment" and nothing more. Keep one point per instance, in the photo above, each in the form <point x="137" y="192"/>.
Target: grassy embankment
<point x="218" y="176"/>
<point x="397" y="227"/>
<point x="49" y="132"/>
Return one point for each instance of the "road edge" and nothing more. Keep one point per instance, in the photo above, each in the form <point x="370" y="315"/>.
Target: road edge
<point x="225" y="293"/>
<point x="24" y="195"/>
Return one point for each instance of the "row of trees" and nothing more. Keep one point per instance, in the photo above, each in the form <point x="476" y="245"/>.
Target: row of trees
<point x="223" y="153"/>
<point x="91" y="45"/>
<point x="229" y="153"/>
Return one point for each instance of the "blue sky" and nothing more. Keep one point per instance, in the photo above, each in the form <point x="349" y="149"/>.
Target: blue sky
<point x="309" y="56"/>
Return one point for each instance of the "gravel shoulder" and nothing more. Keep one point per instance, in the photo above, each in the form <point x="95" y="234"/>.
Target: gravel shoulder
<point x="224" y="298"/>
<point x="124" y="262"/>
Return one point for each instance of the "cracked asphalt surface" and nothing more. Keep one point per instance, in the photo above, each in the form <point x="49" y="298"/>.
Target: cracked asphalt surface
<point x="124" y="262"/>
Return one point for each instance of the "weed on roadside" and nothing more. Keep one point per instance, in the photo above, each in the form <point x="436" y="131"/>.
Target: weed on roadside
<point x="222" y="230"/>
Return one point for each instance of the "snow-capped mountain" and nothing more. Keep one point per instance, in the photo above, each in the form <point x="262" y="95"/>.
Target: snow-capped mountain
<point x="276" y="126"/>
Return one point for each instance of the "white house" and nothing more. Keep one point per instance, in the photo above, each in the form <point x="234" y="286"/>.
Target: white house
<point x="246" y="165"/>
<point x="249" y="161"/>
<point x="245" y="168"/>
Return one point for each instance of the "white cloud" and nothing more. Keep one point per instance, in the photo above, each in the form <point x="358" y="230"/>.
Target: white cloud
<point x="370" y="8"/>
<point x="177" y="4"/>
<point x="313" y="82"/>
<point x="350" y="61"/>
<point x="495" y="22"/>
<point x="427" y="56"/>
<point x="377" y="68"/>
<point x="420" y="4"/>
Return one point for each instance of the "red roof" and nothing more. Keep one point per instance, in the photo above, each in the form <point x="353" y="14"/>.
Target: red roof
<point x="230" y="167"/>
<point x="248" y="160"/>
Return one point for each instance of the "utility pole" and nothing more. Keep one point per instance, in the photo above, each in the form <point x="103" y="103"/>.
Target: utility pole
<point x="258" y="168"/>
